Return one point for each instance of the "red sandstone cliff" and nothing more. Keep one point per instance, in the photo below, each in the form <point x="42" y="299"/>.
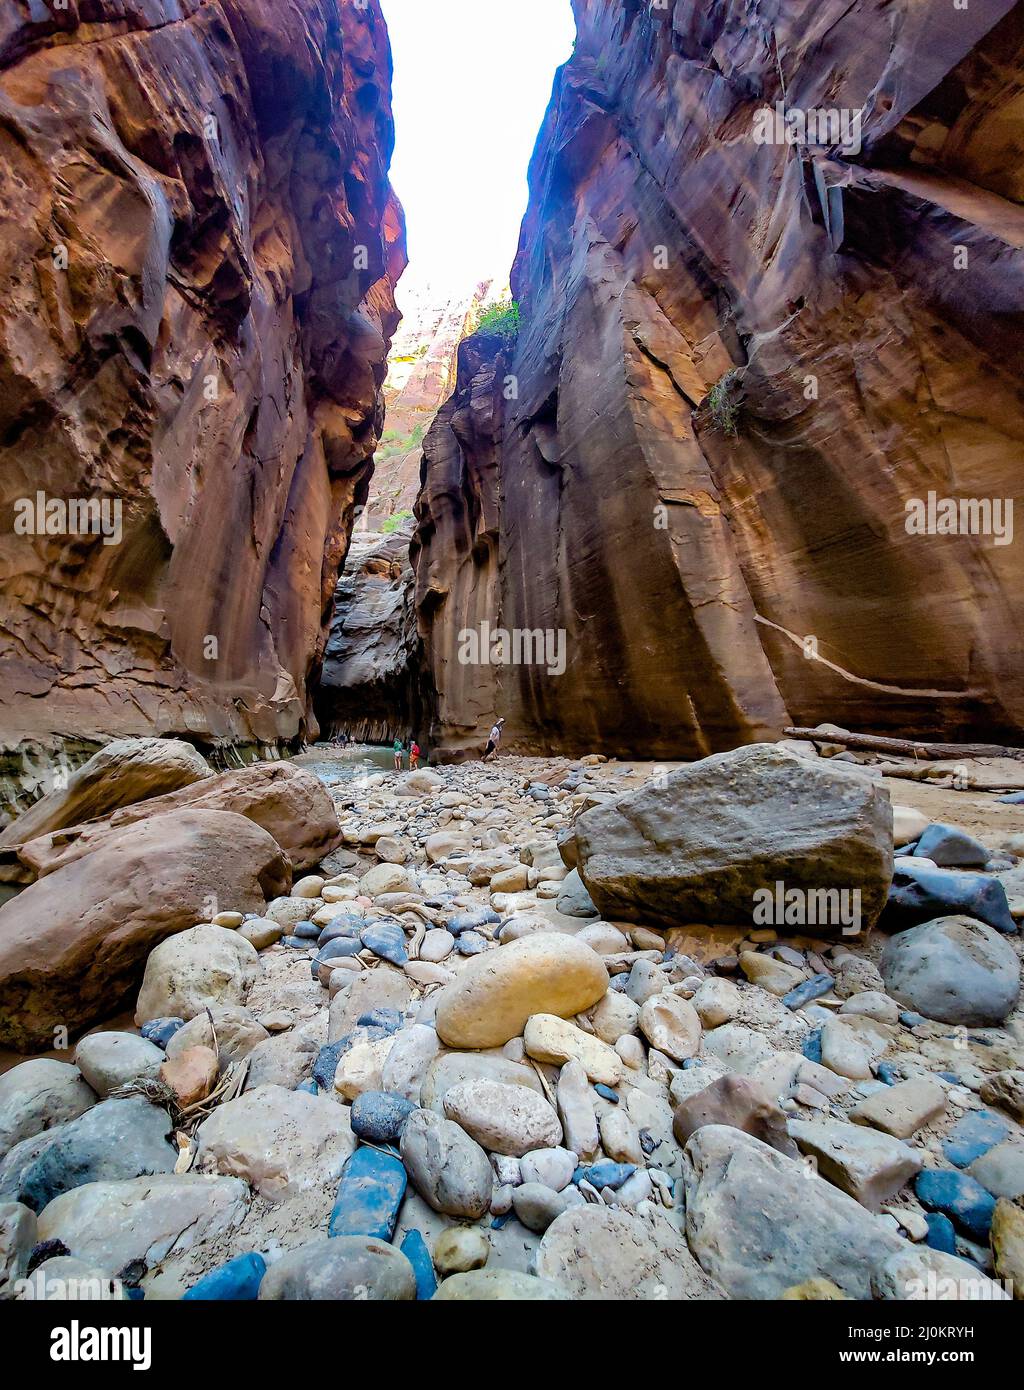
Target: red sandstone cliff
<point x="738" y="363"/>
<point x="198" y="251"/>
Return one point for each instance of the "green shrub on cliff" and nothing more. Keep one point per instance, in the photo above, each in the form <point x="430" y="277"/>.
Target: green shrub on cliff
<point x="501" y="318"/>
<point x="724" y="410"/>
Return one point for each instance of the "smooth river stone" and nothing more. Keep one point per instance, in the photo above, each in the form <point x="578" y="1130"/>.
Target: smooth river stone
<point x="508" y="1120"/>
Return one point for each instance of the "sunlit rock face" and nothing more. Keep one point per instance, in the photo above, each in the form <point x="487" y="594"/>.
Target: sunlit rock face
<point x="740" y="361"/>
<point x="198" y="251"/>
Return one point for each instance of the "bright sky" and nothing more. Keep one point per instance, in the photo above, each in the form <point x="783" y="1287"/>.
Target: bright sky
<point x="472" y="81"/>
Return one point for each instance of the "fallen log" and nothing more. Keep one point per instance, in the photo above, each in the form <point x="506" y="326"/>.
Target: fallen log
<point x="907" y="748"/>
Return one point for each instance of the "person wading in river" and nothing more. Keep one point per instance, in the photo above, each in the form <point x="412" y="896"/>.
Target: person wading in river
<point x="399" y="750"/>
<point x="494" y="741"/>
<point x="414" y="756"/>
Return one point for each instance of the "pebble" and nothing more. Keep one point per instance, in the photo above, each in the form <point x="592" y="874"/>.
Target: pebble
<point x="671" y="1025"/>
<point x="414" y="1248"/>
<point x="808" y="991"/>
<point x="551" y="1039"/>
<point x="341" y="1268"/>
<point x="553" y="1168"/>
<point x="370" y="1195"/>
<point x="161" y="1030"/>
<point x="109" y="1060"/>
<point x="504" y="1119"/>
<point x="958" y="1196"/>
<point x="449" y="1170"/>
<point x="973" y="1135"/>
<point x="460" y="1249"/>
<point x="238" y="1281"/>
<point x="386" y="940"/>
<point x="378" y="1117"/>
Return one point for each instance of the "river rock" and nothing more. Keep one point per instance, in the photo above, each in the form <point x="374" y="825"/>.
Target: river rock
<point x="17" y="1239"/>
<point x="1005" y="1088"/>
<point x="437" y="945"/>
<point x="384" y="878"/>
<point x="450" y="1068"/>
<point x="920" y="1274"/>
<point x="116" y="1139"/>
<point x="372" y="1187"/>
<point x="870" y="1166"/>
<point x="717" y="1001"/>
<point x="503" y="1119"/>
<point x="460" y="1249"/>
<point x="449" y="1170"/>
<point x="672" y="1025"/>
<point x="955" y="970"/>
<point x="1008" y="1245"/>
<point x="958" y="1196"/>
<point x="903" y="1109"/>
<point x="191" y="1075"/>
<point x="596" y="1252"/>
<point x="552" y="1167"/>
<point x="548" y="1038"/>
<point x="951" y="848"/>
<point x="920" y="893"/>
<point x="573" y="899"/>
<point x="378" y="1117"/>
<point x="760" y="1223"/>
<point x="281" y="1142"/>
<point x="112" y="1224"/>
<point x="203" y="966"/>
<point x="341" y="1269"/>
<point x="741" y="1104"/>
<point x="382" y="988"/>
<point x="497" y="992"/>
<point x="614" y="1017"/>
<point x="38" y="1094"/>
<point x="498" y="1286"/>
<point x="537" y="1206"/>
<point x="109" y="1060"/>
<point x="696" y="845"/>
<point x="407" y="1062"/>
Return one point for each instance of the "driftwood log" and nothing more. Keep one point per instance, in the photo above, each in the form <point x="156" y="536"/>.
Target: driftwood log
<point x="907" y="748"/>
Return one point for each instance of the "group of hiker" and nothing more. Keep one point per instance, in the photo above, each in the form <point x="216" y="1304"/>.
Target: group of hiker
<point x="402" y="746"/>
<point x="414" y="754"/>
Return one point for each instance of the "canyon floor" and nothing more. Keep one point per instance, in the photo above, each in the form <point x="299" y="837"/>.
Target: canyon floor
<point x="433" y="1069"/>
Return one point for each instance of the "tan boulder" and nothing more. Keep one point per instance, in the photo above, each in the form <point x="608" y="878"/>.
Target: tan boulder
<point x="497" y="992"/>
<point x="73" y="945"/>
<point x="196" y="968"/>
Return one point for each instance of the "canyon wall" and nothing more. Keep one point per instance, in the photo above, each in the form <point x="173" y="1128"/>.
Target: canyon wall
<point x="738" y="363"/>
<point x="198" y="251"/>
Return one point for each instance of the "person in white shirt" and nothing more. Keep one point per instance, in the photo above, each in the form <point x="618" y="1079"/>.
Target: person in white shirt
<point x="494" y="740"/>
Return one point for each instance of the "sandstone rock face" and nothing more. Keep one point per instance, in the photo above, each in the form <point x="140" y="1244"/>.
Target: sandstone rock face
<point x="698" y="845"/>
<point x="197" y="264"/>
<point x="289" y="802"/>
<point x="73" y="945"/>
<point x="365" y="685"/>
<point x="780" y="358"/>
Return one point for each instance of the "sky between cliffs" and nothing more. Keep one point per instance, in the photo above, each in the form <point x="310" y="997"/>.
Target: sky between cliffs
<point x="472" y="82"/>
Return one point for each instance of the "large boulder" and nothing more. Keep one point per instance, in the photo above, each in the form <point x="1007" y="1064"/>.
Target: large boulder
<point x="496" y="992"/>
<point x="288" y="802"/>
<point x="72" y="946"/>
<point x="281" y="1142"/>
<point x="698" y="845"/>
<point x="597" y="1252"/>
<point x="112" y="1224"/>
<point x="954" y="970"/>
<point x="759" y="1222"/>
<point x="203" y="966"/>
<point x="126" y="771"/>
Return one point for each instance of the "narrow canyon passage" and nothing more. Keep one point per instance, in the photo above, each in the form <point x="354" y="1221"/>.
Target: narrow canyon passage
<point x="511" y="716"/>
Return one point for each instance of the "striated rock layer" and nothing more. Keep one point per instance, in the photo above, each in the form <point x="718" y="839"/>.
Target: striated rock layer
<point x="198" y="252"/>
<point x="738" y="363"/>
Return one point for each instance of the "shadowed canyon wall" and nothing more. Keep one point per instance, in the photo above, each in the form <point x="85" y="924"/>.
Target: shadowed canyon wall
<point x="738" y="363"/>
<point x="198" y="251"/>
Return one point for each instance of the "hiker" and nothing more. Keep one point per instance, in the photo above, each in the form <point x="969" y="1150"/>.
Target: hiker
<point x="414" y="756"/>
<point x="399" y="750"/>
<point x="494" y="741"/>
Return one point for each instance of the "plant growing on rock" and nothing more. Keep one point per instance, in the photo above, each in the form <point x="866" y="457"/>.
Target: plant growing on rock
<point x="501" y="318"/>
<point x="724" y="410"/>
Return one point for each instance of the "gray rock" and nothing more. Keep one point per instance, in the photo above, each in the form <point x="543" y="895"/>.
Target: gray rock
<point x="954" y="970"/>
<point x="108" y="1060"/>
<point x="114" y="1140"/>
<point x="760" y="1223"/>
<point x="870" y="1166"/>
<point x="17" y="1237"/>
<point x="697" y="845"/>
<point x="573" y="899"/>
<point x="537" y="1206"/>
<point x="448" y="1169"/>
<point x="341" y="1269"/>
<point x="498" y="1286"/>
<point x="37" y="1095"/>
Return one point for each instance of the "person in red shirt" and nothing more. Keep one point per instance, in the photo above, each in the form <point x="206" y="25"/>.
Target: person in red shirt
<point x="414" y="756"/>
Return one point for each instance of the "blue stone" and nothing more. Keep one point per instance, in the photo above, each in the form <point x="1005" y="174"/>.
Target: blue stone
<point x="414" y="1248"/>
<point x="470" y="943"/>
<point x="388" y="1019"/>
<point x="885" y="1072"/>
<point x="941" y="1235"/>
<point x="811" y="1046"/>
<point x="338" y="949"/>
<point x="606" y="1174"/>
<point x="468" y="921"/>
<point x="951" y="848"/>
<point x="973" y="1135"/>
<point x="237" y="1281"/>
<point x="341" y="928"/>
<point x="161" y="1030"/>
<point x="958" y="1196"/>
<point x="308" y="931"/>
<point x="295" y="943"/>
<point x="326" y="1064"/>
<point x="371" y="1191"/>
<point x="387" y="940"/>
<point x="1013" y="799"/>
<point x="920" y="894"/>
<point x="808" y="991"/>
<point x="689" y="1062"/>
<point x="310" y="1087"/>
<point x="606" y="1092"/>
<point x="909" y="1019"/>
<point x="378" y="1117"/>
<point x="948" y="1076"/>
